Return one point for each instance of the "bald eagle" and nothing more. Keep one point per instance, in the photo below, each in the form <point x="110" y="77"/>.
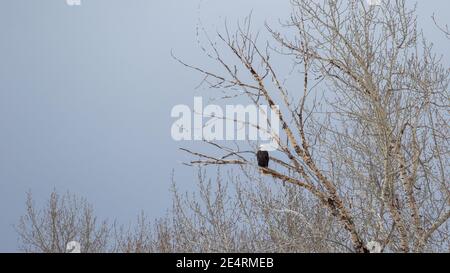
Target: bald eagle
<point x="263" y="157"/>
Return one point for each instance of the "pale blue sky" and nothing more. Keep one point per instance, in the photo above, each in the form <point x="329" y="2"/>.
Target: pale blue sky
<point x="86" y="94"/>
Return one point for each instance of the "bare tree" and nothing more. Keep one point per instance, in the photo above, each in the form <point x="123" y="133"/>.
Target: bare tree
<point x="64" y="218"/>
<point x="365" y="132"/>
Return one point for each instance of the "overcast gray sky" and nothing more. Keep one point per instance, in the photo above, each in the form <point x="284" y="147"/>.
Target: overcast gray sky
<point x="86" y="94"/>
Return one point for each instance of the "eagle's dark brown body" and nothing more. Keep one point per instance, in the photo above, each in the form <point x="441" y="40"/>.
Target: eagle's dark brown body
<point x="263" y="158"/>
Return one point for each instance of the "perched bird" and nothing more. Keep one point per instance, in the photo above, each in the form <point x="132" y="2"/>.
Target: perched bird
<point x="263" y="157"/>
